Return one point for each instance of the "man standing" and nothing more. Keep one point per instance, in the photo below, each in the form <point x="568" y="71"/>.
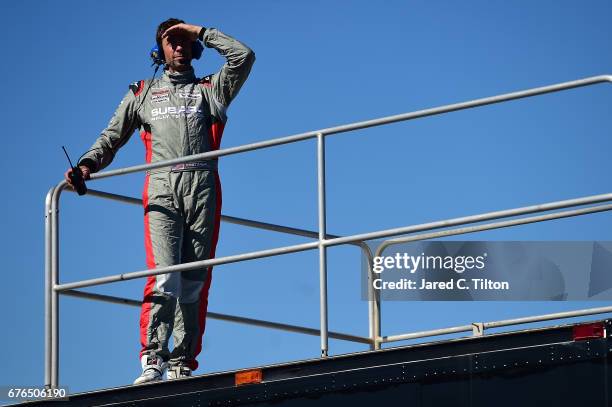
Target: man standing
<point x="178" y="115"/>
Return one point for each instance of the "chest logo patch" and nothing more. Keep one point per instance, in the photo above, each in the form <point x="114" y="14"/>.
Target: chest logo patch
<point x="160" y="95"/>
<point x="188" y="95"/>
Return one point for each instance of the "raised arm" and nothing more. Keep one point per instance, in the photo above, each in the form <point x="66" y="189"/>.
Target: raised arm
<point x="239" y="58"/>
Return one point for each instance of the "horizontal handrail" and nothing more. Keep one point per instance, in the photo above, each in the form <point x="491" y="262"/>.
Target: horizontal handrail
<point x="490" y="226"/>
<point x="497" y="324"/>
<point x="337" y="241"/>
<point x="471" y="219"/>
<point x="225" y="218"/>
<point x="186" y="266"/>
<point x="359" y="125"/>
<point x="225" y="317"/>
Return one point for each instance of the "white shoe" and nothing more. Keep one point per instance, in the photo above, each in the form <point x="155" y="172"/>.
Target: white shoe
<point x="178" y="372"/>
<point x="153" y="368"/>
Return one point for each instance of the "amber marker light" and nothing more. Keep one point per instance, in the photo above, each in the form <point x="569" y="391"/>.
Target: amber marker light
<point x="248" y="377"/>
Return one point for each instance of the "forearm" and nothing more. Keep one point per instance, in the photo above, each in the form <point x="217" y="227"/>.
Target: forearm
<point x="100" y="155"/>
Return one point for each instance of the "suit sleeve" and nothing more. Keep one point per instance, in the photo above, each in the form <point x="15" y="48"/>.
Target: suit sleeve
<point x="115" y="135"/>
<point x="239" y="59"/>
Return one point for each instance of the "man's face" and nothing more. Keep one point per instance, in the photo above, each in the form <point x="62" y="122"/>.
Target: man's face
<point x="177" y="51"/>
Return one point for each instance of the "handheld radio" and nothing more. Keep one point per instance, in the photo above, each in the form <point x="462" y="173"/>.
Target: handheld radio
<point x="76" y="176"/>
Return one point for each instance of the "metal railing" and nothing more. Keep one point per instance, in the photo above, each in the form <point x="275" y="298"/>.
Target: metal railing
<point x="324" y="240"/>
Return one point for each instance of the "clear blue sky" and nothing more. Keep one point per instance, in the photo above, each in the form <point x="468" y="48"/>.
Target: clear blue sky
<point x="319" y="63"/>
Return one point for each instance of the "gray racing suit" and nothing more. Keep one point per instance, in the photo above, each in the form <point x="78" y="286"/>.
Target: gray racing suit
<point x="178" y="115"/>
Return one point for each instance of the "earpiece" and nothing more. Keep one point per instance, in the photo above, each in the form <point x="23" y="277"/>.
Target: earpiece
<point x="196" y="49"/>
<point x="157" y="56"/>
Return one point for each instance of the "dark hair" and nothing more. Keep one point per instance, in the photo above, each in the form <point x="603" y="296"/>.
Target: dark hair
<point x="163" y="27"/>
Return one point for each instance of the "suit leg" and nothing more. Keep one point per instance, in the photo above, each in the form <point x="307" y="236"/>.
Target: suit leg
<point x="200" y="240"/>
<point x="163" y="226"/>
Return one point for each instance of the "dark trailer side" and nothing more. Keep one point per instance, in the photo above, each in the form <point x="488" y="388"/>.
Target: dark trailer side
<point x="562" y="365"/>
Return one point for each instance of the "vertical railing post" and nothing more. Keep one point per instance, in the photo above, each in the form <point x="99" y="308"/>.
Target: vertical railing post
<point x="54" y="302"/>
<point x="322" y="247"/>
<point x="48" y="287"/>
<point x="373" y="308"/>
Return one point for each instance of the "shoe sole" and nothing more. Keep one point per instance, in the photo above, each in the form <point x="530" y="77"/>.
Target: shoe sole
<point x="157" y="379"/>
